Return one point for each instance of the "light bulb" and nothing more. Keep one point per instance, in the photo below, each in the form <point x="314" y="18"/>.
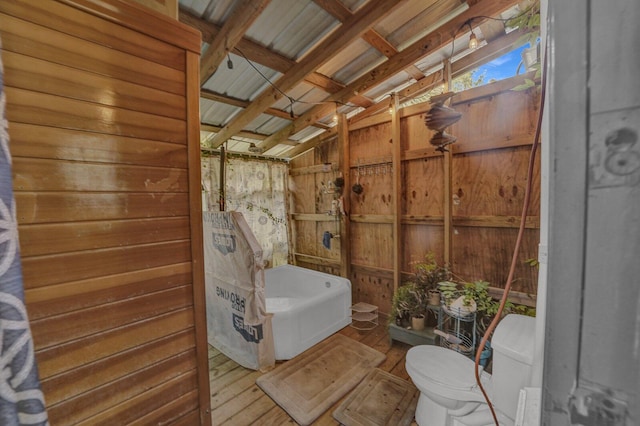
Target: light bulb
<point x="473" y="41"/>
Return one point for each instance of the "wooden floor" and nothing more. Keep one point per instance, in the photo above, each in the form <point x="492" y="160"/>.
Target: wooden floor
<point x="237" y="400"/>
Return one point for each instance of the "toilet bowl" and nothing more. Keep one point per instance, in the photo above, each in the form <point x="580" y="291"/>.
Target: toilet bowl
<point x="447" y="384"/>
<point x="449" y="394"/>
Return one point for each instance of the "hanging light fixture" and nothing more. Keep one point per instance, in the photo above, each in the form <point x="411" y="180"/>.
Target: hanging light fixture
<point x="473" y="40"/>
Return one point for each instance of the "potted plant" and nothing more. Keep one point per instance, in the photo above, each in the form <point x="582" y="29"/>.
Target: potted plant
<point x="417" y="306"/>
<point x="428" y="275"/>
<point x="400" y="306"/>
<point x="409" y="306"/>
<point x="475" y="296"/>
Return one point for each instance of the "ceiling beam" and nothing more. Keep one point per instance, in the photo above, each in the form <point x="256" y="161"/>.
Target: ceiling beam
<point x="301" y="148"/>
<point x="244" y="134"/>
<point x="338" y="10"/>
<point x="424" y="46"/>
<point x="243" y="15"/>
<point x="339" y="39"/>
<point x="494" y="49"/>
<point x="268" y="58"/>
<point x="229" y="100"/>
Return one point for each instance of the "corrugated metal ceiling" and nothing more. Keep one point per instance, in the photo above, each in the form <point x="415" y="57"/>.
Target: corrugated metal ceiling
<point x="286" y="33"/>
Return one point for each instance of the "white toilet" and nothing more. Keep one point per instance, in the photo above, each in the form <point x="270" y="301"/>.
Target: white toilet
<point x="449" y="394"/>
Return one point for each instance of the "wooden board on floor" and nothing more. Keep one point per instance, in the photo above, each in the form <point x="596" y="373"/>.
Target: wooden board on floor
<point x="236" y="400"/>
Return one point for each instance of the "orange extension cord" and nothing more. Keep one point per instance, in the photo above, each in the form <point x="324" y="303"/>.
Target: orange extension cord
<point x="523" y="218"/>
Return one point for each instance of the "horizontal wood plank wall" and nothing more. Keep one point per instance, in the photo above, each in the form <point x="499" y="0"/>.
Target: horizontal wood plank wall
<point x="488" y="175"/>
<point x="97" y="103"/>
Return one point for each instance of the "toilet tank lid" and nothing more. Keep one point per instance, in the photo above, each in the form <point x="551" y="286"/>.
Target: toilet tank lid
<point x="515" y="337"/>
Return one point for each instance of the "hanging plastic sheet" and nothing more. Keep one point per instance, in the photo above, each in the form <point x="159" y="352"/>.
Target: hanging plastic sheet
<point x="237" y="322"/>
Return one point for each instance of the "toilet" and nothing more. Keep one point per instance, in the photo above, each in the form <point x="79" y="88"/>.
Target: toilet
<point x="449" y="394"/>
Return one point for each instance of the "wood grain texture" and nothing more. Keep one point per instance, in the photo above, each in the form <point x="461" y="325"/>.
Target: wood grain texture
<point x="102" y="106"/>
<point x="60" y="48"/>
<point x="45" y="207"/>
<point x="33" y="141"/>
<point x="60" y="17"/>
<point x="54" y="111"/>
<point x="46" y="77"/>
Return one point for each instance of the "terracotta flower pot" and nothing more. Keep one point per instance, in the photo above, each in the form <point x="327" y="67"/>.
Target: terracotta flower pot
<point x="417" y="322"/>
<point x="434" y="297"/>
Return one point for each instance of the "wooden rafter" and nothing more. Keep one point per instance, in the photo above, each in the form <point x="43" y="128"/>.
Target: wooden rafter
<point x="244" y="134"/>
<point x="419" y="49"/>
<point x="268" y="58"/>
<point x="337" y="9"/>
<point x="229" y="100"/>
<point x="351" y="29"/>
<point x="301" y="148"/>
<point x="497" y="47"/>
<point x="243" y="15"/>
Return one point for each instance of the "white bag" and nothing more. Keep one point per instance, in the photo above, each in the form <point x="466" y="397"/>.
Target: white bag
<point x="237" y="322"/>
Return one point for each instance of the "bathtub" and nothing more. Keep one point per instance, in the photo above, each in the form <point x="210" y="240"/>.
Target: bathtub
<point x="308" y="306"/>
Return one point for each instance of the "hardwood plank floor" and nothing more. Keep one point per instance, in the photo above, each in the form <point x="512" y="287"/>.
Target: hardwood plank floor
<point x="237" y="400"/>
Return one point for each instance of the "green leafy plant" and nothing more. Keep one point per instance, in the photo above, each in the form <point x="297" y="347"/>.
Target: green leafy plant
<point x="429" y="273"/>
<point x="401" y="304"/>
<point x="486" y="306"/>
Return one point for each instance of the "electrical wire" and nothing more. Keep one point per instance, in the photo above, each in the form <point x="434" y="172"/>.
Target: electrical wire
<point x="291" y="99"/>
<point x="470" y="20"/>
<point x="514" y="259"/>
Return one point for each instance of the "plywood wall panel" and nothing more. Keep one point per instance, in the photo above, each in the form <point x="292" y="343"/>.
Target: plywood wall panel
<point x="334" y="252"/>
<point x="485" y="254"/>
<point x="370" y="143"/>
<point x="303" y="193"/>
<point x="493" y="182"/>
<point x="423" y="193"/>
<point x="497" y="119"/>
<point x="306" y="238"/>
<point x="371" y="245"/>
<point x="415" y="134"/>
<point x="419" y="240"/>
<point x="373" y="289"/>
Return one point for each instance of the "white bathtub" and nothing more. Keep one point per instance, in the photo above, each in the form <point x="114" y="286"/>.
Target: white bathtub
<point x="308" y="306"/>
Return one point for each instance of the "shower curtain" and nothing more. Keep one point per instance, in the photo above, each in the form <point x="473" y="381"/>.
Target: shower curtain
<point x="257" y="190"/>
<point x="21" y="400"/>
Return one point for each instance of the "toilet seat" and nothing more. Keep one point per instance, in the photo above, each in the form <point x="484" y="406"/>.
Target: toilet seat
<point x="450" y="372"/>
<point x="442" y="367"/>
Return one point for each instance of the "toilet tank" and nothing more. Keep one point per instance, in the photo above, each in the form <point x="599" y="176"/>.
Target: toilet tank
<point x="513" y="346"/>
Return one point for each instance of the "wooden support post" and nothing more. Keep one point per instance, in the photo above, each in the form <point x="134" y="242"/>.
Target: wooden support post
<point x="448" y="215"/>
<point x="222" y="183"/>
<point x="396" y="161"/>
<point x="344" y="166"/>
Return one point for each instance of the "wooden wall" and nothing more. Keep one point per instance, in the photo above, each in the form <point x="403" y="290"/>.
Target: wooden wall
<point x="102" y="103"/>
<point x="488" y="176"/>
